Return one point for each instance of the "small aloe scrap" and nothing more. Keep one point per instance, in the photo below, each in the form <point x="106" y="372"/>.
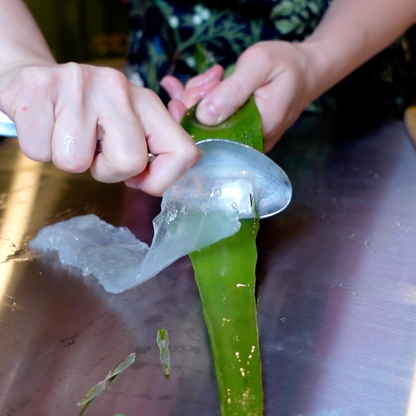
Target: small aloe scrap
<point x="162" y="340"/>
<point x="99" y="387"/>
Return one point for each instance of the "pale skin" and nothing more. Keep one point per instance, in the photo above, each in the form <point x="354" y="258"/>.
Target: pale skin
<point x="61" y="110"/>
<point x="286" y="77"/>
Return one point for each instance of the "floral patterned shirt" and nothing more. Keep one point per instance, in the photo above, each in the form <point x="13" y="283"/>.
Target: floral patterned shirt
<point x="183" y="37"/>
<point x="169" y="35"/>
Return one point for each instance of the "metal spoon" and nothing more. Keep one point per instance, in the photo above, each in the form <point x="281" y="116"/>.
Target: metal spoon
<point x="272" y="188"/>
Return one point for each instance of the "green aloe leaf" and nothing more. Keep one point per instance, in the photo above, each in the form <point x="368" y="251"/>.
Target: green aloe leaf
<point x="242" y="127"/>
<point x="225" y="275"/>
<point x="203" y="58"/>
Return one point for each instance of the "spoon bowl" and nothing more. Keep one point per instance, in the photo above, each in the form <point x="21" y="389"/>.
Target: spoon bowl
<point x="272" y="190"/>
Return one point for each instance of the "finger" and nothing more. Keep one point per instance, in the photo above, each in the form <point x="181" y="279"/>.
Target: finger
<point x="34" y="125"/>
<point x="177" y="110"/>
<point x="74" y="138"/>
<point x="233" y="92"/>
<point x="32" y="109"/>
<point x="193" y="95"/>
<point x="173" y="87"/>
<point x="75" y="131"/>
<point x="215" y="72"/>
<point x="124" y="151"/>
<point x="176" y="90"/>
<point x="174" y="148"/>
<point x="279" y="107"/>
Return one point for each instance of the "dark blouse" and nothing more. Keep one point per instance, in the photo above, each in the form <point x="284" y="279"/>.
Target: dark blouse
<point x="183" y="37"/>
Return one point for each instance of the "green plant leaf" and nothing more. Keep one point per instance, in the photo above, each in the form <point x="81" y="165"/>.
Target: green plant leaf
<point x="127" y="362"/>
<point x="284" y="26"/>
<point x="162" y="340"/>
<point x="314" y="7"/>
<point x="92" y="393"/>
<point x="99" y="387"/>
<point x="285" y="8"/>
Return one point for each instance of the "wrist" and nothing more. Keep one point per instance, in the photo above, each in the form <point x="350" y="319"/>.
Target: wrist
<point x="327" y="64"/>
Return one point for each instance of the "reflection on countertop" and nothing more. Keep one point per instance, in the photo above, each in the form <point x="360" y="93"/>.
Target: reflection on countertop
<point x="336" y="291"/>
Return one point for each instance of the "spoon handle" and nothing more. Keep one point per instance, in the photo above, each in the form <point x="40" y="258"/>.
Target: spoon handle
<point x="7" y="127"/>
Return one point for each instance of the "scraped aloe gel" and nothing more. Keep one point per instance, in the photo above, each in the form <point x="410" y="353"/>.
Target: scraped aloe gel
<point x="225" y="275"/>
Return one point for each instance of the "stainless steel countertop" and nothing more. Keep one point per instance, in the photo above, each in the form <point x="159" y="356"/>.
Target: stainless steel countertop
<point x="336" y="285"/>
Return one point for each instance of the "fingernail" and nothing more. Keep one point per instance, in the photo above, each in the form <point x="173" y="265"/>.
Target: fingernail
<point x="163" y="82"/>
<point x="208" y="114"/>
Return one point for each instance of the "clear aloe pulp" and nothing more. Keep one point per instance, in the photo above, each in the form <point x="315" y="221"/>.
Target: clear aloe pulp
<point x="225" y="275"/>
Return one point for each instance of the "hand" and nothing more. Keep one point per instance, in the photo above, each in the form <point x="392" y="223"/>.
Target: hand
<point x="61" y="110"/>
<point x="277" y="73"/>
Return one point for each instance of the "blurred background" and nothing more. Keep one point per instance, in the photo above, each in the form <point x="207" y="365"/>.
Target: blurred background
<point x="96" y="31"/>
<point x="84" y="30"/>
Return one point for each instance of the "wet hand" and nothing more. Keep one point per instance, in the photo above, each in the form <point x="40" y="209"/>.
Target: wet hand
<point x="61" y="110"/>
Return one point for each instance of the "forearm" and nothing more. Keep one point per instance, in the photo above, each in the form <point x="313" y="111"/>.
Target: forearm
<point x="350" y="33"/>
<point x="21" y="41"/>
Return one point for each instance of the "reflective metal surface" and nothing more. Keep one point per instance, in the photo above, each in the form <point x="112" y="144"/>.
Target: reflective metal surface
<point x="336" y="284"/>
<point x="271" y="186"/>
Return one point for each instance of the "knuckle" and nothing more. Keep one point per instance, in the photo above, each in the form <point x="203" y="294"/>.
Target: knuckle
<point x="36" y="80"/>
<point x="73" y="74"/>
<point x="231" y="89"/>
<point x="260" y="53"/>
<point x="114" y="80"/>
<point x="191" y="155"/>
<point x="148" y="96"/>
<point x="156" y="190"/>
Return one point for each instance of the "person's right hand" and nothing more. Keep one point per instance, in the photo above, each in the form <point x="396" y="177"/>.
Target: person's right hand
<point x="280" y="75"/>
<point x="61" y="110"/>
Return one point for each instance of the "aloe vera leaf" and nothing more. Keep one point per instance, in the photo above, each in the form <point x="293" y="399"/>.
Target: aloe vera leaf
<point x="243" y="127"/>
<point x="203" y="58"/>
<point x="162" y="340"/>
<point x="225" y="275"/>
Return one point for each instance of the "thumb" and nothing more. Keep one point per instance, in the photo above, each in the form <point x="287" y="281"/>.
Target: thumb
<point x="173" y="87"/>
<point x="231" y="94"/>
